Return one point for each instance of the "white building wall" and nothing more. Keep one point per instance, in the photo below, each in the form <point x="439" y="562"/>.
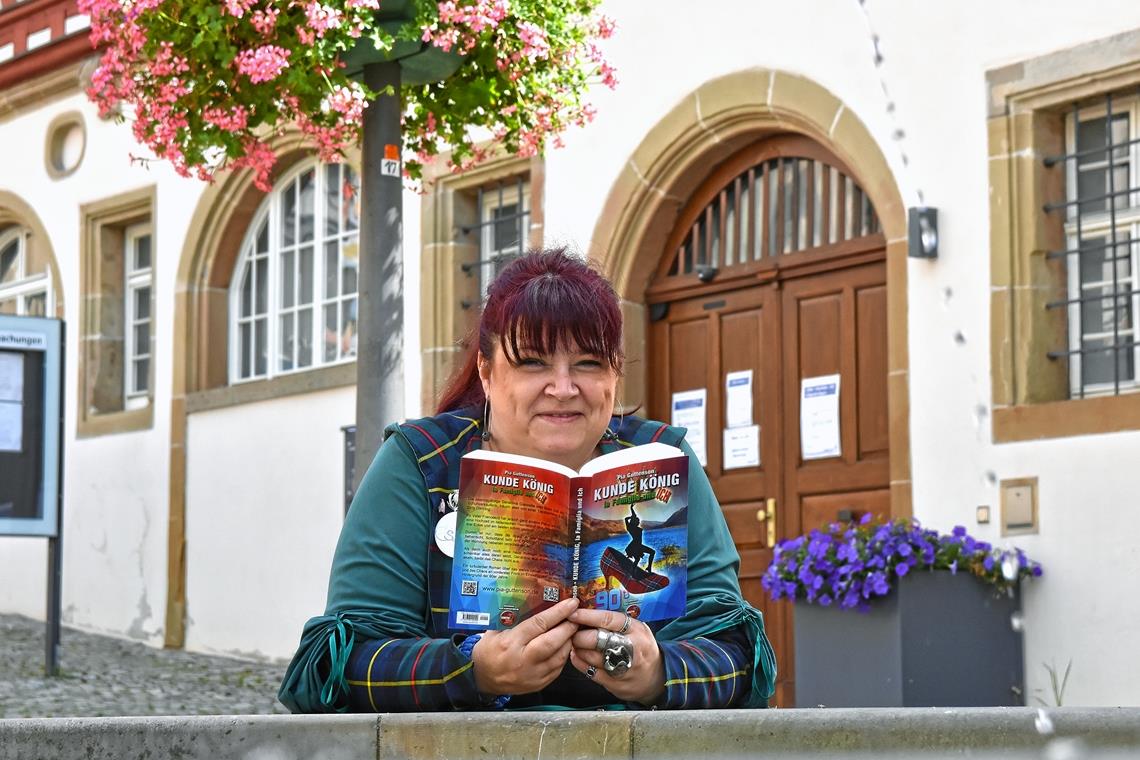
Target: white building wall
<point x="935" y="56"/>
<point x="264" y="506"/>
<point x="115" y="486"/>
<point x="264" y="480"/>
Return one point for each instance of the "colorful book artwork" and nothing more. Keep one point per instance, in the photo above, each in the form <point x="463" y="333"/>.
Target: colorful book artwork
<point x="531" y="533"/>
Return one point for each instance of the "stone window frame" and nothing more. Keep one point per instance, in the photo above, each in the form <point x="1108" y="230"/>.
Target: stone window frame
<point x="448" y="295"/>
<point x="103" y="407"/>
<point x="1026" y="121"/>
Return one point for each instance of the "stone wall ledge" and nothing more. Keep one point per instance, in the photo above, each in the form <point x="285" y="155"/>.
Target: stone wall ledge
<point x="1012" y="732"/>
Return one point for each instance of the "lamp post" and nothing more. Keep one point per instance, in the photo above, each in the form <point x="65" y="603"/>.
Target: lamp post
<point x="380" y="318"/>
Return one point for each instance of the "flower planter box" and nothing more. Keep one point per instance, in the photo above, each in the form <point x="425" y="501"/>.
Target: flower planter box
<point x="937" y="640"/>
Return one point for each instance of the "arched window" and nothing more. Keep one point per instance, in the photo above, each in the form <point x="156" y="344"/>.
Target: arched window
<point x="25" y="287"/>
<point x="293" y="294"/>
<point x="780" y="197"/>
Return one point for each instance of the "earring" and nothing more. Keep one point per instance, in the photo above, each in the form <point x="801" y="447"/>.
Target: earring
<point x="486" y="434"/>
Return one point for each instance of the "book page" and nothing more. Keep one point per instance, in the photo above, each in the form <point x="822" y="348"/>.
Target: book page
<point x="635" y="540"/>
<point x="511" y="543"/>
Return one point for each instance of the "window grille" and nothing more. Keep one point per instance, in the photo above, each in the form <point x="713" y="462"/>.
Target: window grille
<point x="293" y="302"/>
<point x="137" y="310"/>
<point x="777" y="207"/>
<point x="1101" y="218"/>
<point x="501" y="230"/>
<point x="25" y="288"/>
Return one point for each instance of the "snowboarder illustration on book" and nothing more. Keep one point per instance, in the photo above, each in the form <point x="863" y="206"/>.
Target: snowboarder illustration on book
<point x="635" y="550"/>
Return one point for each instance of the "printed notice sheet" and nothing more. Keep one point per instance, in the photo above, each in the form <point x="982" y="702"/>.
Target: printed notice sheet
<point x="819" y="417"/>
<point x="742" y="447"/>
<point x="738" y="398"/>
<point x="689" y="411"/>
<point x="11" y="401"/>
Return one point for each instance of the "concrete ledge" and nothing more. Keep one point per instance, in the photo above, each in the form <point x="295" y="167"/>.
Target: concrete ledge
<point x="1015" y="732"/>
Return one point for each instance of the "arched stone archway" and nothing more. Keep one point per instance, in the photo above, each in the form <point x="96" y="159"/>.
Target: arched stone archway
<point x="707" y="126"/>
<point x="711" y="125"/>
<point x="212" y="246"/>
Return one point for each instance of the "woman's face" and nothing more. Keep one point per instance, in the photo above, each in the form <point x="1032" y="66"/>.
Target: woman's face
<point x="553" y="406"/>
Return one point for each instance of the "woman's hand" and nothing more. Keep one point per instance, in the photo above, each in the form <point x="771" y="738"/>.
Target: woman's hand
<point x="527" y="657"/>
<point x="644" y="682"/>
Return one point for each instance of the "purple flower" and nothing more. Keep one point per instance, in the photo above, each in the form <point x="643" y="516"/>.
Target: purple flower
<point x="847" y="564"/>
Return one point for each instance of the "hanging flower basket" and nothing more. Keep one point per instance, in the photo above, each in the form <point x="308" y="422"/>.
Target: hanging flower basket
<point x="207" y="84"/>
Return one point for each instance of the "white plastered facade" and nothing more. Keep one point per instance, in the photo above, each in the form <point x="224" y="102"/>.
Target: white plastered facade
<point x="264" y="480"/>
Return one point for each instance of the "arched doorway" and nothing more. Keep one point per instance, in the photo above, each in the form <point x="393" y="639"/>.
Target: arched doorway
<point x="774" y="279"/>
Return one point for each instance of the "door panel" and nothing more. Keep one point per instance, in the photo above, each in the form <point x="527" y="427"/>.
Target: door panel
<point x="821" y="510"/>
<point x="777" y="264"/>
<point x="871" y="361"/>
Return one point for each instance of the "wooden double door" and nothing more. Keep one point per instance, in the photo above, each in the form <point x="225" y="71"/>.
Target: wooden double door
<point x="787" y="316"/>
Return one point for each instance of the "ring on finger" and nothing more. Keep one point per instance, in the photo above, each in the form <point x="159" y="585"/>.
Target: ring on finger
<point x="625" y="623"/>
<point x="591" y="671"/>
<point x="604" y="638"/>
<point x="617" y="656"/>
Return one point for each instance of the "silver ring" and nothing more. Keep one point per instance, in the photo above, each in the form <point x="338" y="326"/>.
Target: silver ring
<point x="617" y="655"/>
<point x="591" y="671"/>
<point x="625" y="623"/>
<point x="603" y="639"/>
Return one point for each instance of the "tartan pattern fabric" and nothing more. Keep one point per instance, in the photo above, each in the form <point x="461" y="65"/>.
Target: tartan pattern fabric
<point x="397" y="674"/>
<point x="403" y="675"/>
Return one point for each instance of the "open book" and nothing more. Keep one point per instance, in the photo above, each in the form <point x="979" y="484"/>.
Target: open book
<point x="531" y="533"/>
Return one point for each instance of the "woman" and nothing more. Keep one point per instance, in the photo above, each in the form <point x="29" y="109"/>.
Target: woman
<point x="540" y="381"/>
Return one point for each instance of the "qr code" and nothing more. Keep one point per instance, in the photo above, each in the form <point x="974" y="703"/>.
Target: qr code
<point x="550" y="594"/>
<point x="469" y="588"/>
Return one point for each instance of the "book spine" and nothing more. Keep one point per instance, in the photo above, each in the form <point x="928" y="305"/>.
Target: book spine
<point x="577" y="500"/>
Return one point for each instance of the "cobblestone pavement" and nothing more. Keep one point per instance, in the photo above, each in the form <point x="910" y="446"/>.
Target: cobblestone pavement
<point x="101" y="676"/>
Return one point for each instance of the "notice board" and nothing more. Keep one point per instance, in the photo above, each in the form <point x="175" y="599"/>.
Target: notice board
<point x="31" y="369"/>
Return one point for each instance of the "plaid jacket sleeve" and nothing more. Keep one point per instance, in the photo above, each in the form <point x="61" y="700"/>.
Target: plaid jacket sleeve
<point x="401" y="675"/>
<point x="712" y="671"/>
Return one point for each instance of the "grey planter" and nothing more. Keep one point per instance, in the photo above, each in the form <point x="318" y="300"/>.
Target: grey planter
<point x="937" y="640"/>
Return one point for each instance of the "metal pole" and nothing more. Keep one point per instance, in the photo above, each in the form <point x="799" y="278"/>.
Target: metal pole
<point x="55" y="543"/>
<point x="54" y="608"/>
<point x="380" y="344"/>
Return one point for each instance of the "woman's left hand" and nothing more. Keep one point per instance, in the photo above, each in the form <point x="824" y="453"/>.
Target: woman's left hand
<point x="644" y="682"/>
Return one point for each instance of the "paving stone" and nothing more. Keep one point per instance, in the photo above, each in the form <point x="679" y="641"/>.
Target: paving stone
<point x="103" y="676"/>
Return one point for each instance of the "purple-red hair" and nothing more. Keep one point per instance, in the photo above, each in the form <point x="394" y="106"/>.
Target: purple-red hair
<point x="541" y="301"/>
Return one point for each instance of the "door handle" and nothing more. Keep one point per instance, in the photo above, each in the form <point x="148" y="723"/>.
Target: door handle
<point x="769" y="515"/>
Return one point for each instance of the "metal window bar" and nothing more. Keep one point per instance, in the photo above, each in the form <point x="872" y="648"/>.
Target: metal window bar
<point x="483" y="260"/>
<point x="1112" y="235"/>
<point x="783" y="205"/>
<point x="468" y="267"/>
<point x="1091" y="299"/>
<point x="1118" y="301"/>
<point x="1052" y="161"/>
<point x="1115" y="348"/>
<point x="1093" y="248"/>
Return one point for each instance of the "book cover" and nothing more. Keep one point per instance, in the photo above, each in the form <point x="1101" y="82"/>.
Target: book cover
<point x="530" y="533"/>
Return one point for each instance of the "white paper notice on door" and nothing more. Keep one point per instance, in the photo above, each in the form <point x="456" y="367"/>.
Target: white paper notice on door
<point x="689" y="411"/>
<point x="742" y="447"/>
<point x="738" y="396"/>
<point x="819" y="417"/>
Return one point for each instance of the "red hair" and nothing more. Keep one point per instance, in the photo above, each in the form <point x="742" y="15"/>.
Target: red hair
<point x="542" y="300"/>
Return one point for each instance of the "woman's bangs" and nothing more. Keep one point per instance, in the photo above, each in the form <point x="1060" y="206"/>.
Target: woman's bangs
<point x="553" y="319"/>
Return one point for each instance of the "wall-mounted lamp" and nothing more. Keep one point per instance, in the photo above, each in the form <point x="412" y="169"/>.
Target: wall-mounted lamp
<point x="706" y="272"/>
<point x="922" y="232"/>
